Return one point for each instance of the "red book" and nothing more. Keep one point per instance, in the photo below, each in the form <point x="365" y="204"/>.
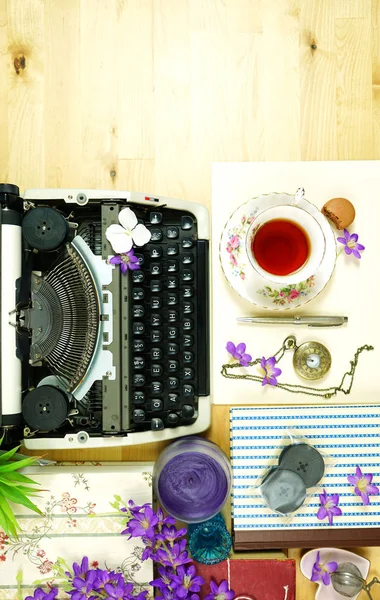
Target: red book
<point x="254" y="579"/>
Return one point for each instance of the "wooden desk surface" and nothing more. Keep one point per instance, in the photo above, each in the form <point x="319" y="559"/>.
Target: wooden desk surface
<point x="145" y="94"/>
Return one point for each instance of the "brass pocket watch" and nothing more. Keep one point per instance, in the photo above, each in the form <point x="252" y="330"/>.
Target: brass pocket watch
<point x="311" y="360"/>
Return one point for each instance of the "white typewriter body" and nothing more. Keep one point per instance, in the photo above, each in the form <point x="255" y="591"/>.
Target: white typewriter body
<point x="102" y="364"/>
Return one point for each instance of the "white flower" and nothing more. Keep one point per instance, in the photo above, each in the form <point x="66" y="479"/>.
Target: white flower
<point x="121" y="237"/>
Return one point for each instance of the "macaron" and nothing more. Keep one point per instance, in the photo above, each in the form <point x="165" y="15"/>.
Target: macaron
<point x="340" y="212"/>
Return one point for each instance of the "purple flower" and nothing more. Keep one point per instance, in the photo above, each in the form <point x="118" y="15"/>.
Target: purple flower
<point x="81" y="571"/>
<point x="165" y="578"/>
<point x="322" y="571"/>
<point x="363" y="485"/>
<point x="39" y="594"/>
<point x="186" y="581"/>
<point x="238" y="352"/>
<point x="149" y="548"/>
<point x="220" y="592"/>
<point x="269" y="371"/>
<point x="122" y="591"/>
<point x="127" y="260"/>
<point x="175" y="556"/>
<point x="168" y="520"/>
<point x="351" y="245"/>
<point x="83" y="587"/>
<point x="170" y="534"/>
<point x="104" y="576"/>
<point x="142" y="524"/>
<point x="329" y="507"/>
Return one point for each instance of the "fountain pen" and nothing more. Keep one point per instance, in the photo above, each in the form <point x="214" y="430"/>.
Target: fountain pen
<point x="301" y="320"/>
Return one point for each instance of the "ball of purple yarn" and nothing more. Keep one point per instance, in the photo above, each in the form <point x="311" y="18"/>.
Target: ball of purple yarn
<point x="192" y="486"/>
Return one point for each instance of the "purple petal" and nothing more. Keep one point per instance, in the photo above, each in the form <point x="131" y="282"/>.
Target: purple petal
<point x="356" y="253"/>
<point x="368" y="478"/>
<point x="336" y="511"/>
<point x="276" y="372"/>
<point x="342" y="240"/>
<point x="243" y="362"/>
<point x="223" y="587"/>
<point x="213" y="587"/>
<point x="231" y="348"/>
<point x="347" y="235"/>
<point x="123" y="268"/>
<point x="323" y="497"/>
<point x="357" y="491"/>
<point x="273" y="381"/>
<point x="325" y="578"/>
<point x="330" y="516"/>
<point x="115" y="260"/>
<point x="331" y="566"/>
<point x="335" y="498"/>
<point x="247" y="358"/>
<point x="347" y="250"/>
<point x="134" y="266"/>
<point x="315" y="576"/>
<point x="265" y="381"/>
<point x="317" y="560"/>
<point x="354" y="237"/>
<point x="352" y="479"/>
<point x="322" y="513"/>
<point x="373" y="490"/>
<point x="365" y="498"/>
<point x="271" y="361"/>
<point x="358" y="473"/>
<point x="360" y="247"/>
<point x="240" y="348"/>
<point x="263" y="363"/>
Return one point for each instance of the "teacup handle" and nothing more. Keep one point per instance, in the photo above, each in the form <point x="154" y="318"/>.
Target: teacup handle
<point x="300" y="193"/>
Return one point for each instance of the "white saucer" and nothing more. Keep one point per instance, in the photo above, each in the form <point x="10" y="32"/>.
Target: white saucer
<point x="250" y="284"/>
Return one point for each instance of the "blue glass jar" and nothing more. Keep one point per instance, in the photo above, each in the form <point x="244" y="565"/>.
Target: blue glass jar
<point x="210" y="541"/>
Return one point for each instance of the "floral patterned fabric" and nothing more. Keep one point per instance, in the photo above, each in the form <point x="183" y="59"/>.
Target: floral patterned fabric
<point x="77" y="520"/>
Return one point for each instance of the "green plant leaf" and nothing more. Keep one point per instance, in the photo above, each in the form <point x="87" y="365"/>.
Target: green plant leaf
<point x="8" y="521"/>
<point x="16" y="476"/>
<point x="4" y="456"/>
<point x="18" y="464"/>
<point x="18" y="497"/>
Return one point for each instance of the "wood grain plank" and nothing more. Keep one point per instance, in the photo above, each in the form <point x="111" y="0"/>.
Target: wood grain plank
<point x="279" y="79"/>
<point x="100" y="34"/>
<point x="354" y="91"/>
<point x="136" y="83"/>
<point x="348" y="9"/>
<point x="63" y="125"/>
<point x="4" y="69"/>
<point x="375" y="24"/>
<point x="318" y="80"/>
<point x="26" y="92"/>
<point x="136" y="175"/>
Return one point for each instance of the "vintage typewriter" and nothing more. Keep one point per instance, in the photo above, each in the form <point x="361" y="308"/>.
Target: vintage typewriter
<point x="91" y="357"/>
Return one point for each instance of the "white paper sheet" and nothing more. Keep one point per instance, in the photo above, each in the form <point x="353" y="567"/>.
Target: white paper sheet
<point x="353" y="291"/>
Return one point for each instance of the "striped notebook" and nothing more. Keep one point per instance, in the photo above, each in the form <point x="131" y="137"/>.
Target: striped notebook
<point x="350" y="434"/>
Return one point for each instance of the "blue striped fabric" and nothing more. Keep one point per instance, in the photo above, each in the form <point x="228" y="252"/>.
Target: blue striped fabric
<point x="350" y="435"/>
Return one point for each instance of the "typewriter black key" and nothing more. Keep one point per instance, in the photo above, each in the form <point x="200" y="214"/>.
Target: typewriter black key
<point x="173" y="366"/>
<point x="155" y="285"/>
<point x="138" y="276"/>
<point x="156" y="404"/>
<point x="188" y="340"/>
<point x="186" y="222"/>
<point x="155" y="252"/>
<point x="188" y="391"/>
<point x="156" y="370"/>
<point x="188" y="357"/>
<point x="138" y="398"/>
<point x="138" y="294"/>
<point x="172" y="233"/>
<point x="138" y="362"/>
<point x="138" y="415"/>
<point x="187" y="411"/>
<point x="187" y="243"/>
<point x="172" y="419"/>
<point x="138" y="345"/>
<point x="172" y="333"/>
<point x="173" y="383"/>
<point x="187" y="275"/>
<point x="173" y="348"/>
<point x="138" y="311"/>
<point x="155" y="302"/>
<point x="172" y="283"/>
<point x="138" y="380"/>
<point x="156" y="353"/>
<point x="157" y="424"/>
<point x="155" y="269"/>
<point x="188" y="373"/>
<point x="172" y="266"/>
<point x="155" y="218"/>
<point x="156" y="335"/>
<point x="172" y="250"/>
<point x="156" y="235"/>
<point x="140" y="259"/>
<point x="188" y="324"/>
<point x="156" y="319"/>
<point x="138" y="328"/>
<point x="187" y="259"/>
<point x="173" y="399"/>
<point x="156" y="387"/>
<point x="188" y="292"/>
<point x="172" y="299"/>
<point x="173" y="316"/>
<point x="188" y="307"/>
